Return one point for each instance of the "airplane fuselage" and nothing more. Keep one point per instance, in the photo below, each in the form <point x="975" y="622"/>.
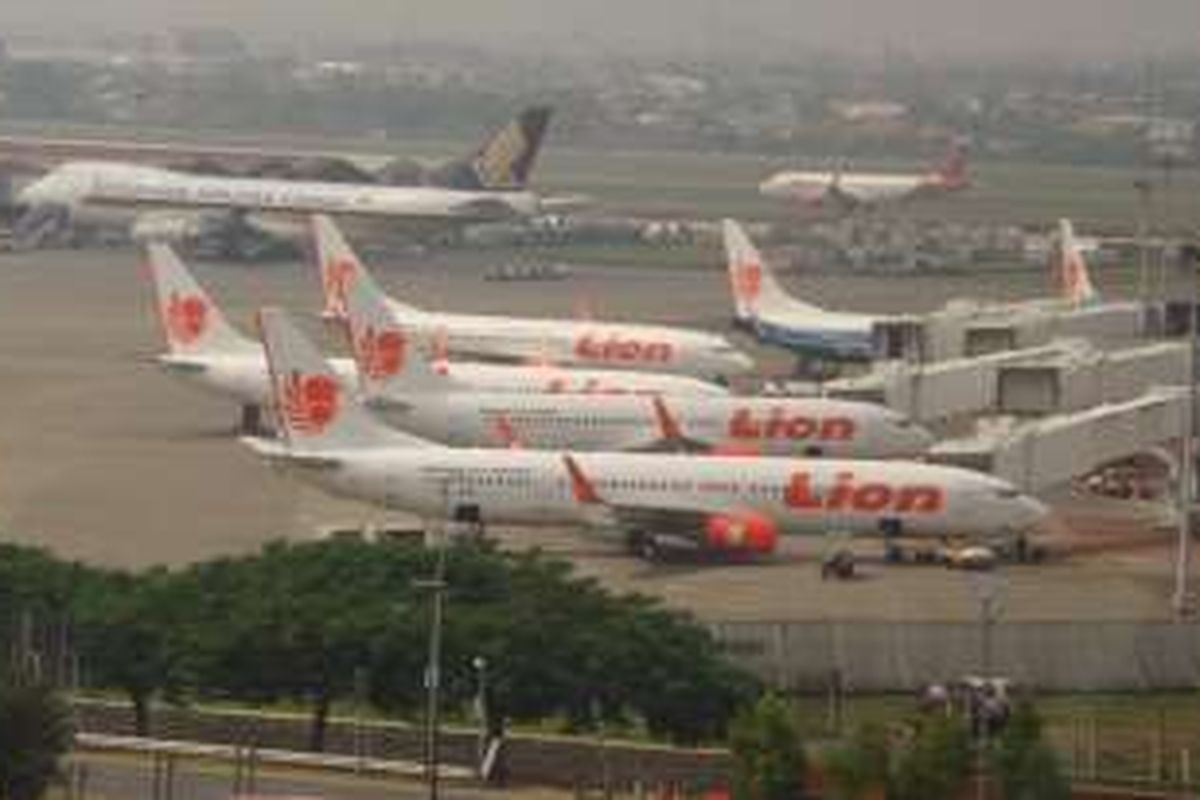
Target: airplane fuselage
<point x="800" y="497"/>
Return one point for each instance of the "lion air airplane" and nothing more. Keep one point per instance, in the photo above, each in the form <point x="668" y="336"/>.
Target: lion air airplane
<point x="851" y="190"/>
<point x="398" y="380"/>
<point x="205" y="348"/>
<point x="559" y="341"/>
<point x="723" y="503"/>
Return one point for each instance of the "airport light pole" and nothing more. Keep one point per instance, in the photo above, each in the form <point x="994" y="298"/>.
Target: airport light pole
<point x="436" y="586"/>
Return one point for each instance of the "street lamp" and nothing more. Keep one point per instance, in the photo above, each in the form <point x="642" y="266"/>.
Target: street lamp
<point x="480" y="665"/>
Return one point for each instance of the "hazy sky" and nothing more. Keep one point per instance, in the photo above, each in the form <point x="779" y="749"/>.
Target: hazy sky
<point x="924" y="27"/>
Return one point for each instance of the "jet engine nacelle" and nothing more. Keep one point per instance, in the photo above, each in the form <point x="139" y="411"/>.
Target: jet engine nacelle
<point x="741" y="533"/>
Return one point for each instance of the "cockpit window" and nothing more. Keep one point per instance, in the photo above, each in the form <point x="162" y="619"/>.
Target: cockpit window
<point x="1007" y="493"/>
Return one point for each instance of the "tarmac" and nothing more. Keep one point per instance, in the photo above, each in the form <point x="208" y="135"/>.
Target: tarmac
<point x="105" y="458"/>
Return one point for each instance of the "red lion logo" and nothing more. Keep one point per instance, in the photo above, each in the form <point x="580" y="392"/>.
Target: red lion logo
<point x="310" y="402"/>
<point x="186" y="317"/>
<point x="749" y="279"/>
<point x="381" y="353"/>
<point x="338" y="274"/>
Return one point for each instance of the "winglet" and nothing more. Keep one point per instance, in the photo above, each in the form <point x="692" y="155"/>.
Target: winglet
<point x="581" y="486"/>
<point x="668" y="423"/>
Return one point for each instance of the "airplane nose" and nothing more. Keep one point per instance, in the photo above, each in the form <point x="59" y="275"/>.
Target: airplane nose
<point x="771" y="187"/>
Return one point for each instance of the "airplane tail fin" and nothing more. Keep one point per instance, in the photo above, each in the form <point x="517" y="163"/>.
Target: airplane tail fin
<point x="1074" y="279"/>
<point x="316" y="411"/>
<point x="505" y="160"/>
<point x="340" y="267"/>
<point x="388" y="358"/>
<point x="951" y="171"/>
<point x="192" y="323"/>
<point x="754" y="287"/>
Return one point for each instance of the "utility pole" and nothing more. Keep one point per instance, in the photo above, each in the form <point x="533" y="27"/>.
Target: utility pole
<point x="436" y="586"/>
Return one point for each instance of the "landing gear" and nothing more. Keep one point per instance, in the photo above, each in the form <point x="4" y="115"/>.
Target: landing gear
<point x="839" y="564"/>
<point x="644" y="546"/>
<point x="251" y="423"/>
<point x="892" y="552"/>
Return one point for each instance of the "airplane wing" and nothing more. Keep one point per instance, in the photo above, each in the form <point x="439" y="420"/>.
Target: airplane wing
<point x="686" y="521"/>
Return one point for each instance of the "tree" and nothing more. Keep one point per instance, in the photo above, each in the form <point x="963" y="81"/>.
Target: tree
<point x="769" y="761"/>
<point x="130" y="631"/>
<point x="34" y="734"/>
<point x="859" y="767"/>
<point x="935" y="762"/>
<point x="1025" y="765"/>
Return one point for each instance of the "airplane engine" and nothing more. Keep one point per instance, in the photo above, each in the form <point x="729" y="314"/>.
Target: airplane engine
<point x="744" y="532"/>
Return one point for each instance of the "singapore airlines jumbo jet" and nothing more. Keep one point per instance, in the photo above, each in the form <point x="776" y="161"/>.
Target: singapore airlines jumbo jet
<point x="558" y="341"/>
<point x="724" y="503"/>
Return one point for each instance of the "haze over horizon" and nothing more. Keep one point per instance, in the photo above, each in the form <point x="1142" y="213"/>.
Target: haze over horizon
<point x="1070" y="29"/>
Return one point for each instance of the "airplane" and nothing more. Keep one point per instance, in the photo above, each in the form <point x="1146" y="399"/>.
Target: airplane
<point x="245" y="214"/>
<point x="728" y="504"/>
<point x="504" y="160"/>
<point x="521" y="339"/>
<point x="763" y="307"/>
<point x="398" y="381"/>
<point x="848" y="191"/>
<point x="205" y="349"/>
<point x="772" y="315"/>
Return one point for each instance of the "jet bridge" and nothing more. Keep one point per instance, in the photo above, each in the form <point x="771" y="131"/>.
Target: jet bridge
<point x="946" y="389"/>
<point x="1064" y="376"/>
<point x="1042" y="454"/>
<point x="964" y="329"/>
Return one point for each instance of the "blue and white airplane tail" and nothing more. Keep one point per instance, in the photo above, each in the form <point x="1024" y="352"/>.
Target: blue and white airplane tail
<point x="756" y="292"/>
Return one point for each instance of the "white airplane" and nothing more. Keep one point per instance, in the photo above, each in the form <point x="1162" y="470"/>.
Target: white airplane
<point x="559" y="341"/>
<point x="204" y="348"/>
<point x="763" y="307"/>
<point x="730" y="504"/>
<point x="398" y="380"/>
<point x="100" y="194"/>
<point x="772" y="315"/>
<point x="850" y="190"/>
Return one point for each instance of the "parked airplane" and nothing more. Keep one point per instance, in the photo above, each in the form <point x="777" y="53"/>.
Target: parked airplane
<point x="765" y="308"/>
<point x="772" y="315"/>
<point x="730" y="504"/>
<point x="847" y="191"/>
<point x="559" y="341"/>
<point x="539" y="378"/>
<point x="204" y="348"/>
<point x="504" y="160"/>
<point x="398" y="380"/>
<point x="246" y="212"/>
